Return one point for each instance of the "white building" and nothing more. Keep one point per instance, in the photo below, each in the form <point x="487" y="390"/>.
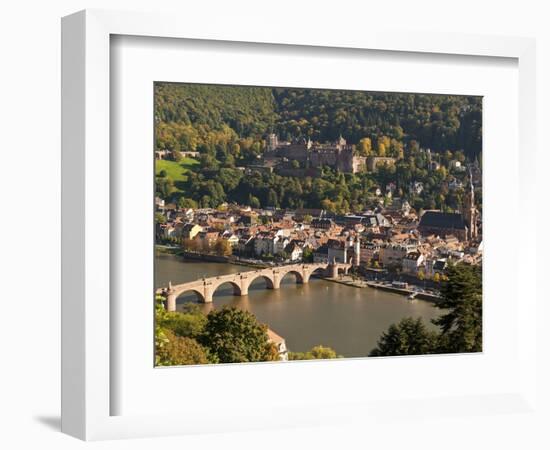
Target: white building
<point x="412" y="262"/>
<point x="434" y="266"/>
<point x="294" y="251"/>
<point x="270" y="243"/>
<point x="393" y="254"/>
<point x="280" y="344"/>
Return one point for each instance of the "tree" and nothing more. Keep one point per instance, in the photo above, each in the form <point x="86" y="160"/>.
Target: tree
<point x="161" y="339"/>
<point x="159" y="218"/>
<point x="253" y="202"/>
<point x="272" y="198"/>
<point x="317" y="352"/>
<point x="408" y="337"/>
<point x="236" y="150"/>
<point x="189" y="323"/>
<point x="222" y="247"/>
<point x="365" y="147"/>
<point x="185" y="203"/>
<point x="177" y="156"/>
<point x="307" y="255"/>
<point x="461" y="325"/>
<point x="178" y="351"/>
<point x="234" y="335"/>
<point x="320" y="352"/>
<point x="383" y="145"/>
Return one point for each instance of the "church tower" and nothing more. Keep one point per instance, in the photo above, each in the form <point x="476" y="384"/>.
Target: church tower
<point x="470" y="212"/>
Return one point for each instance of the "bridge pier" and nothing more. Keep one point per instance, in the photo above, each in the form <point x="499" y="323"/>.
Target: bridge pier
<point x="333" y="271"/>
<point x="207" y="294"/>
<point x="171" y="302"/>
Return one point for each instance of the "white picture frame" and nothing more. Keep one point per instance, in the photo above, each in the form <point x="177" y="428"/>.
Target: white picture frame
<point x="87" y="386"/>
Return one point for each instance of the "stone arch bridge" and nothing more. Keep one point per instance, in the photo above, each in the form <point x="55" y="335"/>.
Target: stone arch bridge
<point x="205" y="287"/>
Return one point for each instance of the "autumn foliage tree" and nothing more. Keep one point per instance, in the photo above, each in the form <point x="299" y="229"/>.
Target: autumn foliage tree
<point x="178" y="351"/>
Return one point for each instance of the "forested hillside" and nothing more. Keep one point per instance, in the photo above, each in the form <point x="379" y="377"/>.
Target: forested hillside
<point x="228" y="126"/>
<point x="437" y="122"/>
<point x="191" y="117"/>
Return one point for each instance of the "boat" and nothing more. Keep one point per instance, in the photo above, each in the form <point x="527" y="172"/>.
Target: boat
<point x="412" y="296"/>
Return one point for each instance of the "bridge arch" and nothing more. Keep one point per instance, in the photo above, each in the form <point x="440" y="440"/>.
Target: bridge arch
<point x="236" y="287"/>
<point x="319" y="271"/>
<point x="268" y="280"/>
<point x="299" y="276"/>
<point x="182" y="292"/>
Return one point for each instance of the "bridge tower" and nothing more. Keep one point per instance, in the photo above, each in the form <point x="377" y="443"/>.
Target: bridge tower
<point x="356" y="251"/>
<point x="332" y="269"/>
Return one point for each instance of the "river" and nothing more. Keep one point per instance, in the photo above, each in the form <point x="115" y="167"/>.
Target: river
<point x="347" y="319"/>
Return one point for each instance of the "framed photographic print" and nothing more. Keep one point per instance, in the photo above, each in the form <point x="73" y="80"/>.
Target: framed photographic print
<point x="309" y="213"/>
<point x="362" y="216"/>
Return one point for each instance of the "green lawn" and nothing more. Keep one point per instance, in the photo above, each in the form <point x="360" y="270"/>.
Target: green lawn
<point x="177" y="171"/>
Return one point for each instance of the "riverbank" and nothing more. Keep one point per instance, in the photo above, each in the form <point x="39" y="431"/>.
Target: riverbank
<point x="177" y="251"/>
<point x="346" y="280"/>
<point x="404" y="291"/>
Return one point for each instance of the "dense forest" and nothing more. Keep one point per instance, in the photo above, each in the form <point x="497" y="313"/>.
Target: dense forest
<point x="189" y="116"/>
<point x="228" y="125"/>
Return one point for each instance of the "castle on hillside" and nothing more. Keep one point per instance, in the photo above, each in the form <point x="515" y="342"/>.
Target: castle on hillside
<point x="338" y="155"/>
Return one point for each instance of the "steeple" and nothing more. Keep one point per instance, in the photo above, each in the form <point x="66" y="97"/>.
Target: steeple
<point x="470" y="212"/>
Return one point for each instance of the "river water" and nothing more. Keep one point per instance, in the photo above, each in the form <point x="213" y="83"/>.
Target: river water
<point x="347" y="319"/>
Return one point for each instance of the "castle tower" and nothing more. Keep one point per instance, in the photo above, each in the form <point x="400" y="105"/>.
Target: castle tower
<point x="342" y="141"/>
<point x="470" y="212"/>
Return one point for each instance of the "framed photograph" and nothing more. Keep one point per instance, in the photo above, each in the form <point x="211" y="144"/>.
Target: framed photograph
<point x="310" y="246"/>
<point x="308" y="212"/>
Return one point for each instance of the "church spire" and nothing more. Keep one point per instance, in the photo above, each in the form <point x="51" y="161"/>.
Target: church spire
<point x="470" y="212"/>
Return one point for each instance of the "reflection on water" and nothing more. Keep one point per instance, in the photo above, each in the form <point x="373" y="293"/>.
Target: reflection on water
<point x="348" y="319"/>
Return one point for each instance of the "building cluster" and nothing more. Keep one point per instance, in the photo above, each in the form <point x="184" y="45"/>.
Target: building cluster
<point x="389" y="237"/>
<point x="311" y="156"/>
